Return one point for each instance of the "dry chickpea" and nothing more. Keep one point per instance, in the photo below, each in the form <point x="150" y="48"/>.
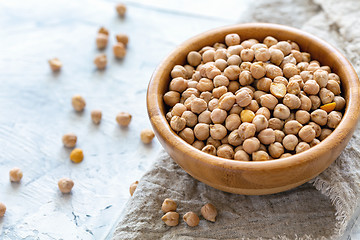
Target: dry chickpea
<point x="302" y="66"/>
<point x="194" y="58"/>
<point x="314" y="142"/>
<point x="292" y="127"/>
<point x="263" y="84"/>
<point x="334" y="76"/>
<point x="220" y="53"/>
<point x="209" y="212"/>
<point x="269" y="101"/>
<point x="315" y="102"/>
<point x="251" y="145"/>
<point x="267" y="136"/>
<point x="281" y="80"/>
<point x="225" y="140"/>
<point x="290" y="141"/>
<point x="245" y="78"/>
<point x="260" y="122"/>
<point x="306" y="57"/>
<point x="233" y="86"/>
<point x="334" y="87"/>
<point x="168" y="205"/>
<point x="171" y="98"/>
<point x="306" y="76"/>
<point x="171" y="219"/>
<point x="121" y="9"/>
<point x="247" y="55"/>
<point x="215" y="143"/>
<point x="278" y="89"/>
<point x="247" y="130"/>
<point x="276" y="149"/>
<point x="260" y="156"/>
<point x="101" y="41"/>
<point x="279" y="135"/>
<point x="178" y="109"/>
<point x="220" y="80"/>
<point x="221" y="64"/>
<point x="276" y="56"/>
<point x="226" y="101"/>
<point x="78" y="103"/>
<point x="178" y="84"/>
<point x="208" y="56"/>
<point x="100" y="61"/>
<point x="15" y="174"/>
<point x="234" y="50"/>
<point x="218" y="115"/>
<point x="217" y="131"/>
<point x="191" y="219"/>
<point x="205" y="117"/>
<point x="297" y="55"/>
<point x="301" y="147"/>
<point x="245" y="66"/>
<point x="177" y="123"/>
<point x="276" y="124"/>
<point x="243" y="98"/>
<point x="178" y="71"/>
<point x="313" y="67"/>
<point x="76" y="155"/>
<point x="205" y="49"/>
<point x="219" y="91"/>
<point x="55" y="64"/>
<point x="225" y="151"/>
<point x="133" y="187"/>
<point x="270" y="41"/>
<point x="210" y="149"/>
<point x="321" y="77"/>
<point x="257" y="70"/>
<point x="234" y="60"/>
<point x="96" y="116"/>
<point x="232" y="122"/>
<point x="302" y="116"/>
<point x="147" y="135"/>
<point x="65" y="185"/>
<point x="247" y="115"/>
<point x="123" y="119"/>
<point x="262" y="54"/>
<point x="316" y="127"/>
<point x="284" y="46"/>
<point x="292" y="101"/>
<point x="305" y="102"/>
<point x="232" y="72"/>
<point x="288" y="59"/>
<point x="119" y="50"/>
<point x="202" y="131"/>
<point x="324" y="133"/>
<point x="123" y="38"/>
<point x="253" y="106"/>
<point x="2" y="209"/>
<point x="340" y="103"/>
<point x="307" y="133"/>
<point x="326" y="96"/>
<point x="290" y="70"/>
<point x="334" y="119"/>
<point x="249" y="43"/>
<point x="286" y="155"/>
<point x="206" y="96"/>
<point x="69" y="140"/>
<point x="232" y="39"/>
<point x="198" y="144"/>
<point x="212" y="71"/>
<point x="264" y="111"/>
<point x="190" y="117"/>
<point x="198" y="105"/>
<point x="258" y="46"/>
<point x="273" y="71"/>
<point x="293" y="87"/>
<point x="319" y="116"/>
<point x="281" y="111"/>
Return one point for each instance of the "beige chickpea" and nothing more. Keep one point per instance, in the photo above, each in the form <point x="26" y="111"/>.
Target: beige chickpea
<point x="101" y="41"/>
<point x="119" y="50"/>
<point x="171" y="219"/>
<point x="194" y="58"/>
<point x="264" y="111"/>
<point x="220" y="80"/>
<point x="219" y="91"/>
<point x="210" y="149"/>
<point x="65" y="185"/>
<point x="234" y="50"/>
<point x="278" y="90"/>
<point x="212" y="71"/>
<point x="276" y="149"/>
<point x="273" y="71"/>
<point x="207" y="96"/>
<point x="321" y="77"/>
<point x="205" y="85"/>
<point x="178" y="84"/>
<point x="291" y="101"/>
<point x="314" y="142"/>
<point x="178" y="71"/>
<point x="251" y="145"/>
<point x="123" y="119"/>
<point x="306" y="76"/>
<point x="247" y="130"/>
<point x="257" y="70"/>
<point x="285" y="47"/>
<point x="316" y="127"/>
<point x="191" y="219"/>
<point x="290" y="141"/>
<point x="133" y="187"/>
<point x="171" y="98"/>
<point x="334" y="76"/>
<point x="292" y="127"/>
<point x="234" y="60"/>
<point x="307" y="133"/>
<point x="258" y="46"/>
<point x="103" y="30"/>
<point x="281" y="111"/>
<point x="205" y="117"/>
<point x="279" y="135"/>
<point x="219" y="46"/>
<point x="247" y="55"/>
<point x="260" y="122"/>
<point x="220" y="53"/>
<point x="241" y="155"/>
<point x="100" y="61"/>
<point x="269" y="101"/>
<point x="313" y="67"/>
<point x="147" y="135"/>
<point x="96" y="116"/>
<point x="315" y="102"/>
<point x="2" y="209"/>
<point x="205" y="49"/>
<point x="218" y="115"/>
<point x="226" y="101"/>
<point x="198" y="105"/>
<point x="202" y="131"/>
<point x="276" y="124"/>
<point x="263" y="84"/>
<point x="297" y="55"/>
<point x="217" y="131"/>
<point x="232" y="122"/>
<point x="340" y="103"/>
<point x="290" y="70"/>
<point x="225" y="151"/>
<point x="233" y="86"/>
<point x="190" y="118"/>
<point x="262" y="54"/>
<point x="326" y="96"/>
<point x="232" y="72"/>
<point x="15" y="174"/>
<point x="221" y="64"/>
<point x="306" y="57"/>
<point x="123" y="38"/>
<point x="178" y="109"/>
<point x="267" y="136"/>
<point x="311" y="87"/>
<point x="253" y="106"/>
<point x="121" y="9"/>
<point x="177" y="123"/>
<point x="302" y="116"/>
<point x="285" y="155"/>
<point x="78" y="103"/>
<point x="258" y="94"/>
<point x="209" y="212"/>
<point x="305" y="102"/>
<point x="319" y="116"/>
<point x="245" y="66"/>
<point x="198" y="144"/>
<point x="236" y="109"/>
<point x="293" y="87"/>
<point x="334" y="119"/>
<point x="208" y="56"/>
<point x="334" y="87"/>
<point x="301" y="147"/>
<point x="245" y="78"/>
<point x="302" y="66"/>
<point x="260" y="156"/>
<point x="243" y="98"/>
<point x="249" y="43"/>
<point x="276" y="56"/>
<point x="288" y="59"/>
<point x="168" y="205"/>
<point x="232" y="39"/>
<point x="325" y="132"/>
<point x="270" y="41"/>
<point x="234" y="139"/>
<point x="55" y="64"/>
<point x="69" y="140"/>
<point x="215" y="143"/>
<point x="282" y="80"/>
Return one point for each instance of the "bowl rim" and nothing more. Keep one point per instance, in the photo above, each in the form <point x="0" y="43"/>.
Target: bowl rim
<point x="340" y="133"/>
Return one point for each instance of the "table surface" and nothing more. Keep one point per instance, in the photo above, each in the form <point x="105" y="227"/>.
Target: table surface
<point x="36" y="107"/>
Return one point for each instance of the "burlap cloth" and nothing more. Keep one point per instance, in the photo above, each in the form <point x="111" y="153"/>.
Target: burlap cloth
<point x="320" y="209"/>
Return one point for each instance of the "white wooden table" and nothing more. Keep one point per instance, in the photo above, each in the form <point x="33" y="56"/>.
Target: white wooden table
<point x="36" y="111"/>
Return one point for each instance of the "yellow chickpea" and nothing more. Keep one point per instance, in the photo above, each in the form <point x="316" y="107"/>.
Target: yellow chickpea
<point x="76" y="155"/>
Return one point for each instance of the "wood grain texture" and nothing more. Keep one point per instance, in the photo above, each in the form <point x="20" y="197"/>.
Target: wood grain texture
<point x="255" y="178"/>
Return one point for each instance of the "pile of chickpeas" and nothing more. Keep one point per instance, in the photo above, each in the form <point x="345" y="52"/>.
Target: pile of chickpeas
<point x="253" y="101"/>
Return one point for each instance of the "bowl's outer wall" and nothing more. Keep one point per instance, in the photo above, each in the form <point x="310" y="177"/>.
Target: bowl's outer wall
<point x="255" y="178"/>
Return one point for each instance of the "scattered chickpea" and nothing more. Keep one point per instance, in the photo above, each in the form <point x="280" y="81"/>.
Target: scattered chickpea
<point x="121" y="9"/>
<point x="102" y="40"/>
<point x="209" y="212"/>
<point x="147" y="136"/>
<point x="76" y="155"/>
<point x="191" y="219"/>
<point x="123" y="119"/>
<point x="171" y="219"/>
<point x="123" y="38"/>
<point x="55" y="64"/>
<point x="69" y="140"/>
<point x="65" y="185"/>
<point x="96" y="116"/>
<point x="78" y="103"/>
<point x="168" y="205"/>
<point x="2" y="209"/>
<point x="119" y="50"/>
<point x="15" y="174"/>
<point x="100" y="61"/>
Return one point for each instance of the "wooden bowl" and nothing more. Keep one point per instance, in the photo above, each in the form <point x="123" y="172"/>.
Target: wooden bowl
<point x="255" y="178"/>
